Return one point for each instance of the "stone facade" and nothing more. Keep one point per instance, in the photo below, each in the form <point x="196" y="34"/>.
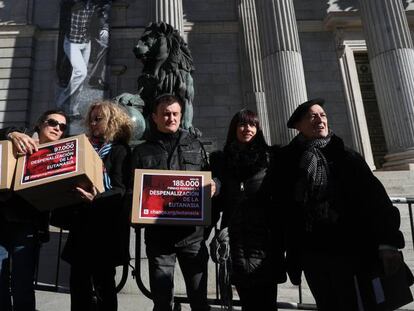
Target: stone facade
<point x="227" y="77"/>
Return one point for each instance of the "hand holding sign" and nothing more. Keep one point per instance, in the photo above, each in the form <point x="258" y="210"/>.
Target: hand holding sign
<point x="213" y="188"/>
<point x="167" y="197"/>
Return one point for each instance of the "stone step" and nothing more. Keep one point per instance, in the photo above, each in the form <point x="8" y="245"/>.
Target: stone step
<point x="397" y="183"/>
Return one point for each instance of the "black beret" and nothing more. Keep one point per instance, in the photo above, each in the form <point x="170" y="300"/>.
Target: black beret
<point x="302" y="109"/>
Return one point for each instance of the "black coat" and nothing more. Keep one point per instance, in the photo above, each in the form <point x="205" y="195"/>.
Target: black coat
<point x="366" y="216"/>
<point x="99" y="232"/>
<point x="16" y="214"/>
<point x="255" y="254"/>
<point x="188" y="155"/>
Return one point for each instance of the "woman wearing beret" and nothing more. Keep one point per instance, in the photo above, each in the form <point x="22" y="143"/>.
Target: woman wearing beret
<point x="22" y="227"/>
<point x="240" y="167"/>
<point x="99" y="232"/>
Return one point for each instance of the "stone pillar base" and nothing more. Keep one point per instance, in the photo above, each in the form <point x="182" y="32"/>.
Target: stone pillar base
<point x="401" y="161"/>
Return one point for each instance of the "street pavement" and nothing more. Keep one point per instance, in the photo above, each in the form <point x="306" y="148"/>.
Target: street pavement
<point x="50" y="301"/>
<point x="130" y="298"/>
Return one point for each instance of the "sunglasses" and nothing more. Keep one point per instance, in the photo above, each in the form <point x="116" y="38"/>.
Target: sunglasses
<point x="54" y="123"/>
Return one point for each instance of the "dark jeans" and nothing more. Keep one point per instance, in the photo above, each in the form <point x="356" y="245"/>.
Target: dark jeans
<point x="193" y="263"/>
<point x="331" y="281"/>
<point x="19" y="251"/>
<point x="261" y="297"/>
<point x="83" y="282"/>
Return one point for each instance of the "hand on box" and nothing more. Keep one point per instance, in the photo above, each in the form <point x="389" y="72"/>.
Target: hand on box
<point x="213" y="187"/>
<point x="23" y="143"/>
<point x="86" y="195"/>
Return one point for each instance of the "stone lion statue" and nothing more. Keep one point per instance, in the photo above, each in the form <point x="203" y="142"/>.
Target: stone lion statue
<point x="167" y="70"/>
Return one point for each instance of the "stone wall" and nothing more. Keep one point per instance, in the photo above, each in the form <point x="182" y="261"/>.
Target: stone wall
<point x="16" y="63"/>
<point x="217" y="77"/>
<point x="215" y="47"/>
<point x="27" y="65"/>
<point x="323" y="78"/>
<point x="210" y="10"/>
<point x="44" y="88"/>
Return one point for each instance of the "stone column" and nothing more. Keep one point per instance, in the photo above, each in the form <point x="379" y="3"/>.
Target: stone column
<point x="254" y="88"/>
<point x="391" y="53"/>
<point x="282" y="65"/>
<point x="169" y="11"/>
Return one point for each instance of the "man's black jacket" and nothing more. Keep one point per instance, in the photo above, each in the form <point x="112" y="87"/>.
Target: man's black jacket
<point x="188" y="155"/>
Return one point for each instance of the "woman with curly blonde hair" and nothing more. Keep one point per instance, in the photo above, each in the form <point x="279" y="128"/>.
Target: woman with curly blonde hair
<point x="118" y="124"/>
<point x="99" y="234"/>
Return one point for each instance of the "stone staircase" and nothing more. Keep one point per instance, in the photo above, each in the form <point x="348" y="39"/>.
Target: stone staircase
<point x="397" y="183"/>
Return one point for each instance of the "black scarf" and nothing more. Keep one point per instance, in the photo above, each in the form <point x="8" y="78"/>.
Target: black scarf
<point x="243" y="161"/>
<point x="312" y="189"/>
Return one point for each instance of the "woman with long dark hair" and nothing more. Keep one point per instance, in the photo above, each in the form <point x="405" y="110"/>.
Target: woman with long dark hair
<point x="22" y="227"/>
<point x="241" y="166"/>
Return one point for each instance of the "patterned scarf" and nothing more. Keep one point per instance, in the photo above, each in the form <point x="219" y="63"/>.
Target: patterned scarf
<point x="312" y="190"/>
<point x="103" y="150"/>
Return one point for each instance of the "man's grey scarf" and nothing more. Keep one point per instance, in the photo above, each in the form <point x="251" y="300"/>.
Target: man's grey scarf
<point x="313" y="189"/>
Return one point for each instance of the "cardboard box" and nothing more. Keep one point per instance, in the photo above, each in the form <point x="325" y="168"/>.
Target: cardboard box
<point x="7" y="165"/>
<point x="164" y="197"/>
<point x="47" y="178"/>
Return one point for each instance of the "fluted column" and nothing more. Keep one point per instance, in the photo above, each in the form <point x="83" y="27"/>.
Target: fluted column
<point x="254" y="88"/>
<point x="169" y="11"/>
<point x="282" y="65"/>
<point x="391" y="53"/>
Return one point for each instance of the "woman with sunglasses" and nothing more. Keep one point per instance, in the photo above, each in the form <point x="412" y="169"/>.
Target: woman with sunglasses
<point x="22" y="227"/>
<point x="241" y="167"/>
<point x="99" y="234"/>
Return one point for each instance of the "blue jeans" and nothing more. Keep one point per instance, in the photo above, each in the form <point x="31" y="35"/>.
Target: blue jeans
<point x="78" y="55"/>
<point x="18" y="255"/>
<point x="193" y="260"/>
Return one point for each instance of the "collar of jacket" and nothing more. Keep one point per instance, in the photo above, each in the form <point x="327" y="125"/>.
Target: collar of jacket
<point x="184" y="138"/>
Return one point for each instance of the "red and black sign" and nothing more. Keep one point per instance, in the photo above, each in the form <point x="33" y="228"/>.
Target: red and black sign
<point x="51" y="161"/>
<point x="172" y="197"/>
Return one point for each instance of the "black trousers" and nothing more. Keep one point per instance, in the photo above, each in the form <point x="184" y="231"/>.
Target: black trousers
<point x="193" y="263"/>
<point x="93" y="288"/>
<point x="261" y="297"/>
<point x="331" y="279"/>
<point x="19" y="251"/>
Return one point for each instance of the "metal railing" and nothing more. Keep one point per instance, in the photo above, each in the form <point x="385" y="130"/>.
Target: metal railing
<point x="55" y="287"/>
<point x="136" y="271"/>
<point x="217" y="300"/>
<point x="300" y="305"/>
<point x="409" y="202"/>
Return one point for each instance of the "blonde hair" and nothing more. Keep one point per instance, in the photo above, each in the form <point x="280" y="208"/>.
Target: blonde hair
<point x="119" y="125"/>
